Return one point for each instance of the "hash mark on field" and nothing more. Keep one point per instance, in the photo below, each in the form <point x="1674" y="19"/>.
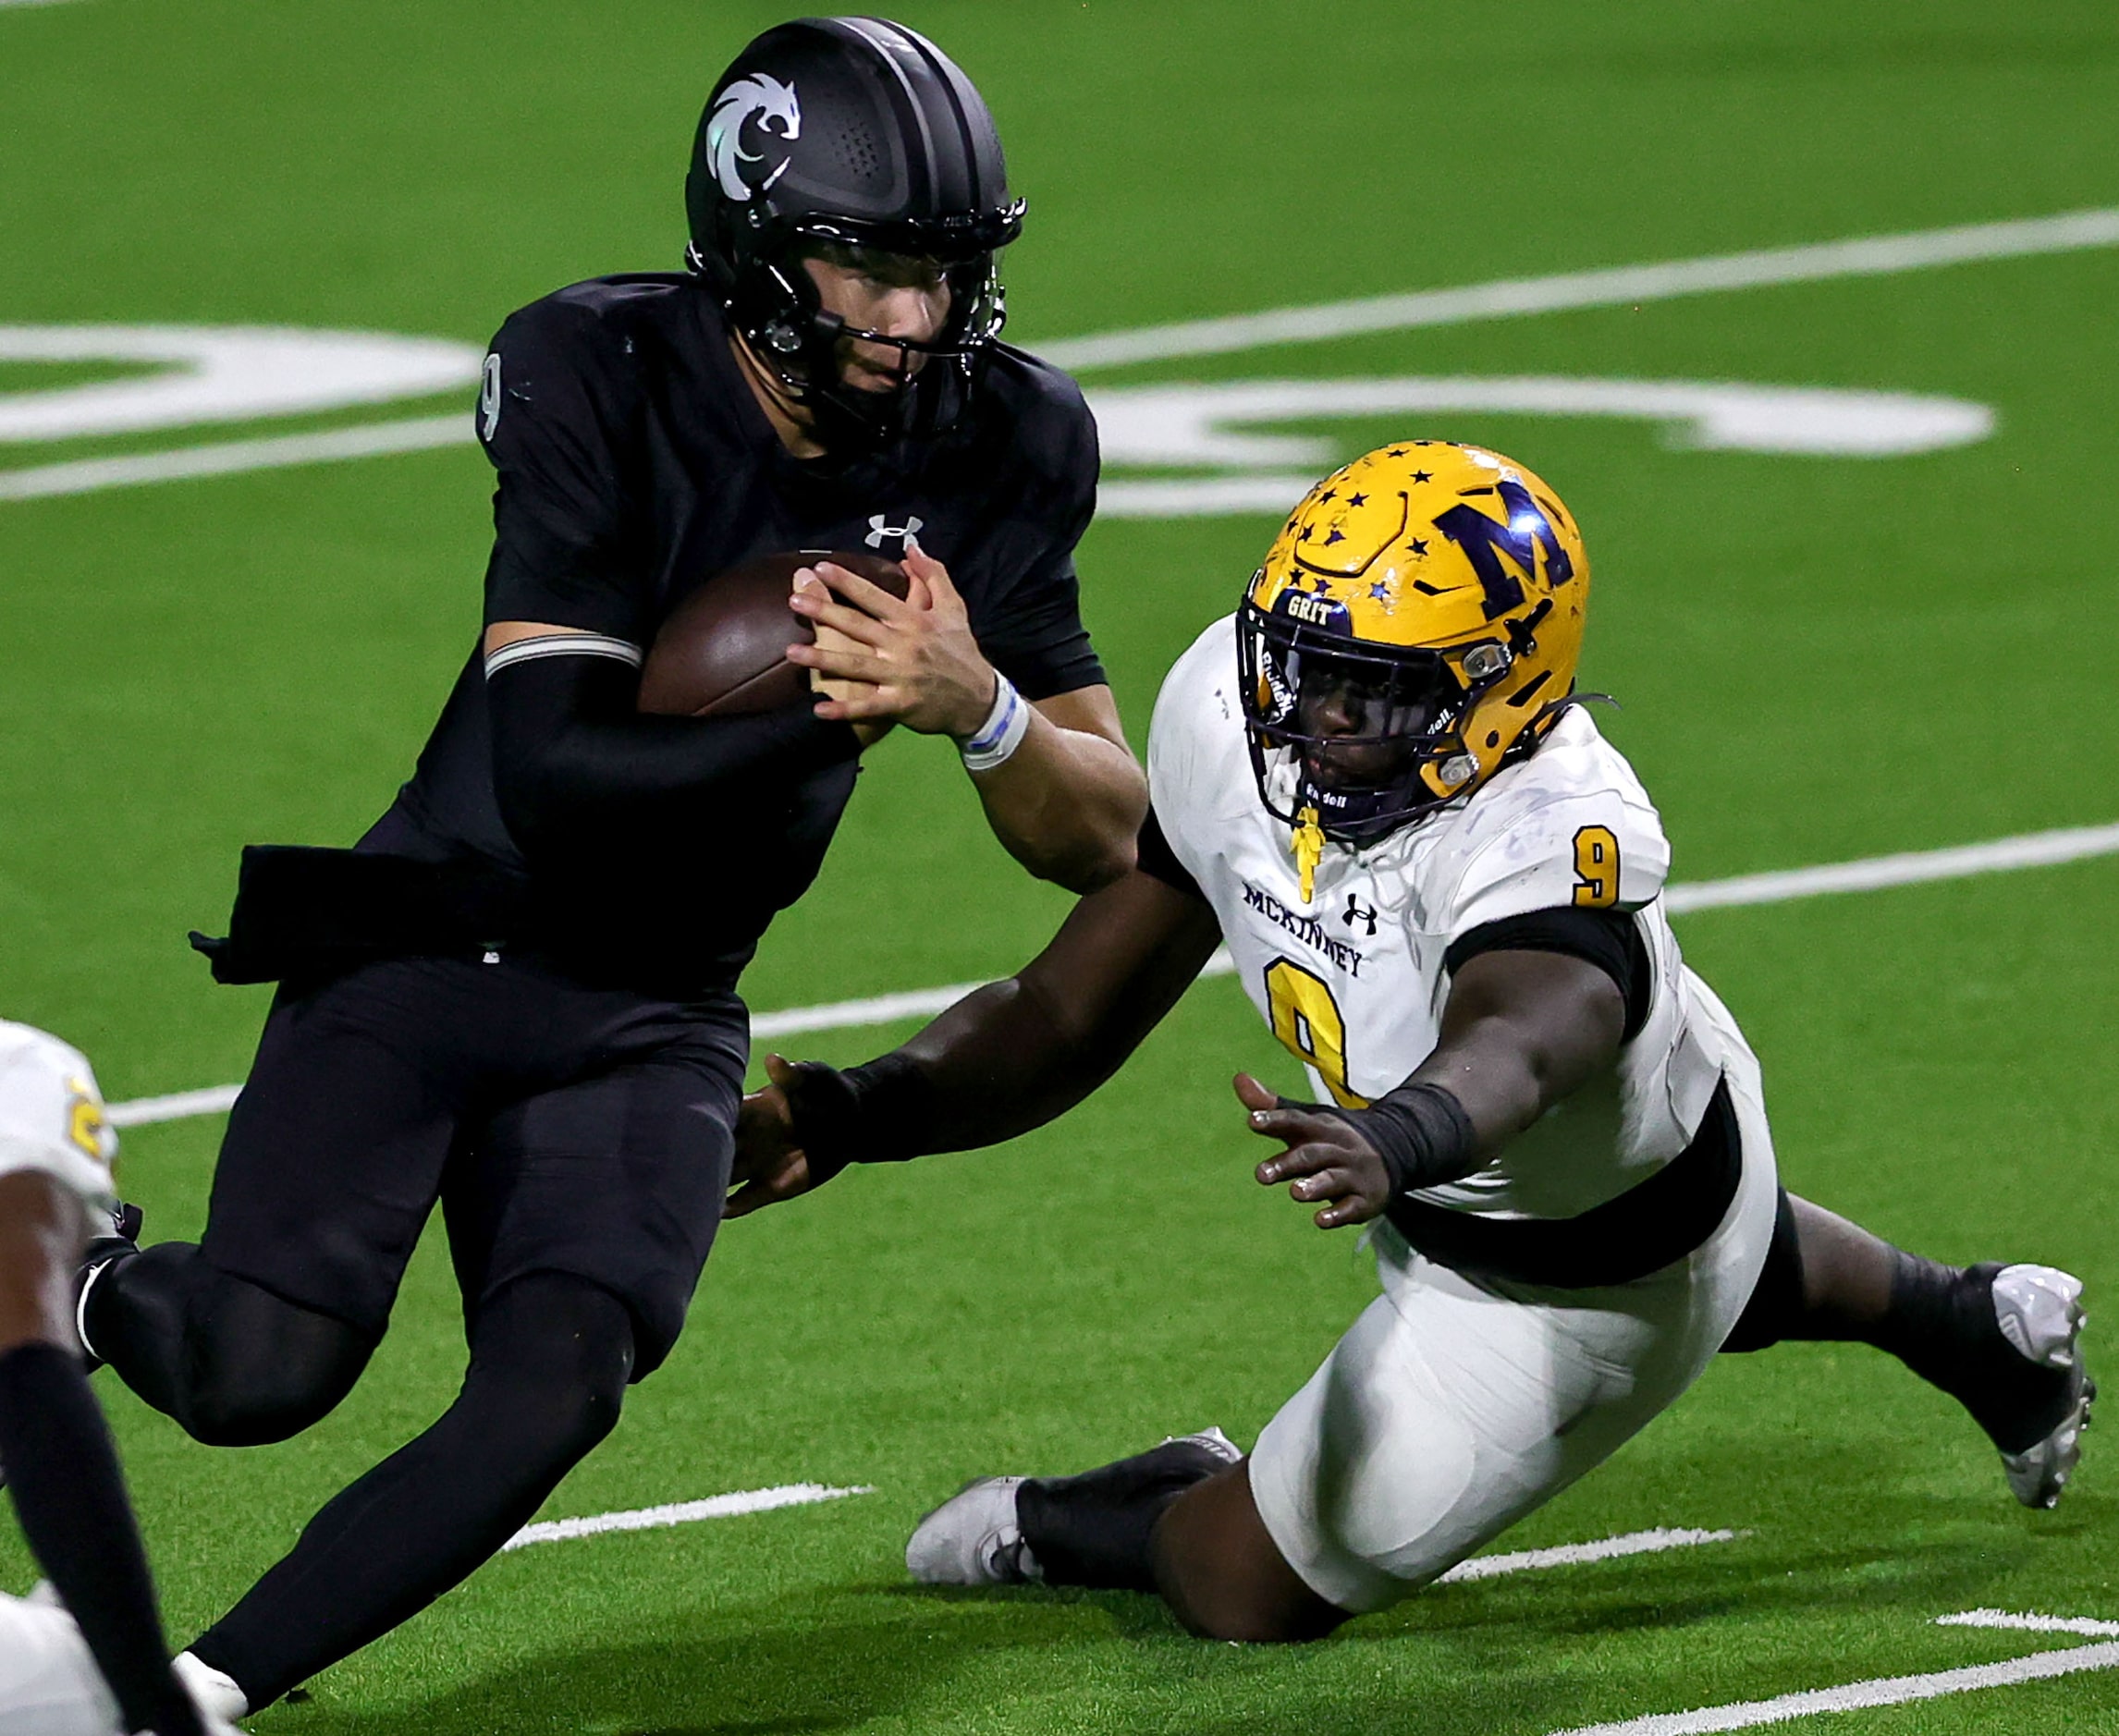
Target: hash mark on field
<point x="681" y="1512"/>
<point x="2028" y="850"/>
<point x="1576" y="1554"/>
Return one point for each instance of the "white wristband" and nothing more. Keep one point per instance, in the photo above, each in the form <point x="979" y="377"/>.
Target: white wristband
<point x="1001" y="733"/>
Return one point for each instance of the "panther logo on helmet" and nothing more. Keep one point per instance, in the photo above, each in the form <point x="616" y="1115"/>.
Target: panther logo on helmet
<point x="772" y="105"/>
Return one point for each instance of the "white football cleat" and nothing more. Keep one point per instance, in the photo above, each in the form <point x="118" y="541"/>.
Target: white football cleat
<point x="973" y="1539"/>
<point x="2039" y="1310"/>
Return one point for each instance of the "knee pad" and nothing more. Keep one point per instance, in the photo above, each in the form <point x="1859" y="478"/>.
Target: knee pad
<point x="1776" y="1304"/>
<point x="550" y="1356"/>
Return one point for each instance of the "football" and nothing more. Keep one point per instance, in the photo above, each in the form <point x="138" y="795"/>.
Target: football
<point x="722" y="652"/>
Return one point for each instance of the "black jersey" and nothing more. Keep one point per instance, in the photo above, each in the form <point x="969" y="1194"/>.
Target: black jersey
<point x="634" y="464"/>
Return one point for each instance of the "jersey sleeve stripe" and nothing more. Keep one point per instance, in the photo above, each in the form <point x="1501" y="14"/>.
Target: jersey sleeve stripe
<point x="563" y="645"/>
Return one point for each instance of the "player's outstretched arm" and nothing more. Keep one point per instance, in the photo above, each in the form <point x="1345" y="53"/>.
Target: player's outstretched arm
<point x="1520" y="1030"/>
<point x="1005" y="1059"/>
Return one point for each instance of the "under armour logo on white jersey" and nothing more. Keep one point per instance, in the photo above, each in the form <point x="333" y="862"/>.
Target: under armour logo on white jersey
<point x="1356" y="912"/>
<point x="881" y="531"/>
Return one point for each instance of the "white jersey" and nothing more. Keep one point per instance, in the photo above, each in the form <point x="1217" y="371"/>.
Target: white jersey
<point x="1353" y="979"/>
<point x="52" y="1116"/>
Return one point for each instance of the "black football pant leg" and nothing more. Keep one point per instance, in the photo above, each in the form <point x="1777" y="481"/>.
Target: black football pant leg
<point x="235" y="1364"/>
<point x="550" y="1356"/>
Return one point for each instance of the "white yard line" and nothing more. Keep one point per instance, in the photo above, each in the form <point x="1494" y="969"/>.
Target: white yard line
<point x="81" y="476"/>
<point x="178" y="1106"/>
<point x="1620" y="286"/>
<point x="2029" y="850"/>
<point x="1858" y="1695"/>
<point x="2030" y="1624"/>
<point x="1580" y="1553"/>
<point x="1616" y="286"/>
<point x="683" y="1512"/>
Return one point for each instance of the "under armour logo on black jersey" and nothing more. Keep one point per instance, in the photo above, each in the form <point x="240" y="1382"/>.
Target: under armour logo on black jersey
<point x="1356" y="912"/>
<point x="880" y="531"/>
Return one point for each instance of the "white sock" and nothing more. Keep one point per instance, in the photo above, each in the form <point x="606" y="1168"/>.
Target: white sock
<point x="215" y="1692"/>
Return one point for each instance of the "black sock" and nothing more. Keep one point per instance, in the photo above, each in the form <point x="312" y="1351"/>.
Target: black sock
<point x="550" y="1356"/>
<point x="69" y="1495"/>
<point x="1941" y="1325"/>
<point x="1094" y="1529"/>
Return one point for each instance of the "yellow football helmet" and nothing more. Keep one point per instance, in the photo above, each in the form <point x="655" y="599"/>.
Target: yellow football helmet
<point x="1415" y="627"/>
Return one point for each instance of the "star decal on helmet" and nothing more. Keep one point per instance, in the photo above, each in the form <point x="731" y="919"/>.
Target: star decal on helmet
<point x="1437" y="612"/>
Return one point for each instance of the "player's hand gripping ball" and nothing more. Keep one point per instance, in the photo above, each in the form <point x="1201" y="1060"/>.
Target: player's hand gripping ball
<point x="723" y="651"/>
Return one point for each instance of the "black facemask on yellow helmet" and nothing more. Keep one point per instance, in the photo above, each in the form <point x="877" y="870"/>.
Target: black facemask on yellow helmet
<point x="1415" y="627"/>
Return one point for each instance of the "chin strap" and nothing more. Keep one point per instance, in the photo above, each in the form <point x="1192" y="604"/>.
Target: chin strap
<point x="1309" y="847"/>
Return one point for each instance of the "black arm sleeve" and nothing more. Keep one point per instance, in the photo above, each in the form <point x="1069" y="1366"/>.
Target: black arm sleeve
<point x="68" y="1493"/>
<point x="1154" y="856"/>
<point x="1608" y="939"/>
<point x="572" y="759"/>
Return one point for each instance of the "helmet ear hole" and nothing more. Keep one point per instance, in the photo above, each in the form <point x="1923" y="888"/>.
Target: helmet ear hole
<point x="1482" y="663"/>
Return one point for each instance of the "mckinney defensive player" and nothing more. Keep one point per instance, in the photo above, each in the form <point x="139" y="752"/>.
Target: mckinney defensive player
<point x="99" y="1664"/>
<point x="1443" y="891"/>
<point x="517" y="995"/>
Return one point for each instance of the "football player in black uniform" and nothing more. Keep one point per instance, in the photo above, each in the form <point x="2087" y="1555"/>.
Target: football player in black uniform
<point x="517" y="994"/>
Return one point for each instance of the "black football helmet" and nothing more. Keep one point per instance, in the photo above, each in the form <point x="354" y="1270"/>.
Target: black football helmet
<point x="851" y="133"/>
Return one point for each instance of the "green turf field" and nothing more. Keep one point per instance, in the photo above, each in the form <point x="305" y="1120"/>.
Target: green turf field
<point x="1822" y="658"/>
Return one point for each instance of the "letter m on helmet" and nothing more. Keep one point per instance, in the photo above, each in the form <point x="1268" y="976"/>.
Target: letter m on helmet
<point x="1486" y="539"/>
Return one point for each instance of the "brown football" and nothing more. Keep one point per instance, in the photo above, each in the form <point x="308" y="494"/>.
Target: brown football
<point x="722" y="652"/>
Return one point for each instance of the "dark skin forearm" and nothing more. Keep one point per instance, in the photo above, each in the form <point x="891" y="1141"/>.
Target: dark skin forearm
<point x="1021" y="1053"/>
<point x="42" y="1235"/>
<point x="1521" y="1031"/>
<point x="1016" y="1054"/>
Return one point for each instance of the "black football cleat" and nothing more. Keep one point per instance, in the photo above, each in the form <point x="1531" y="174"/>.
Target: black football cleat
<point x="121" y="1242"/>
<point x="2027" y="1386"/>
